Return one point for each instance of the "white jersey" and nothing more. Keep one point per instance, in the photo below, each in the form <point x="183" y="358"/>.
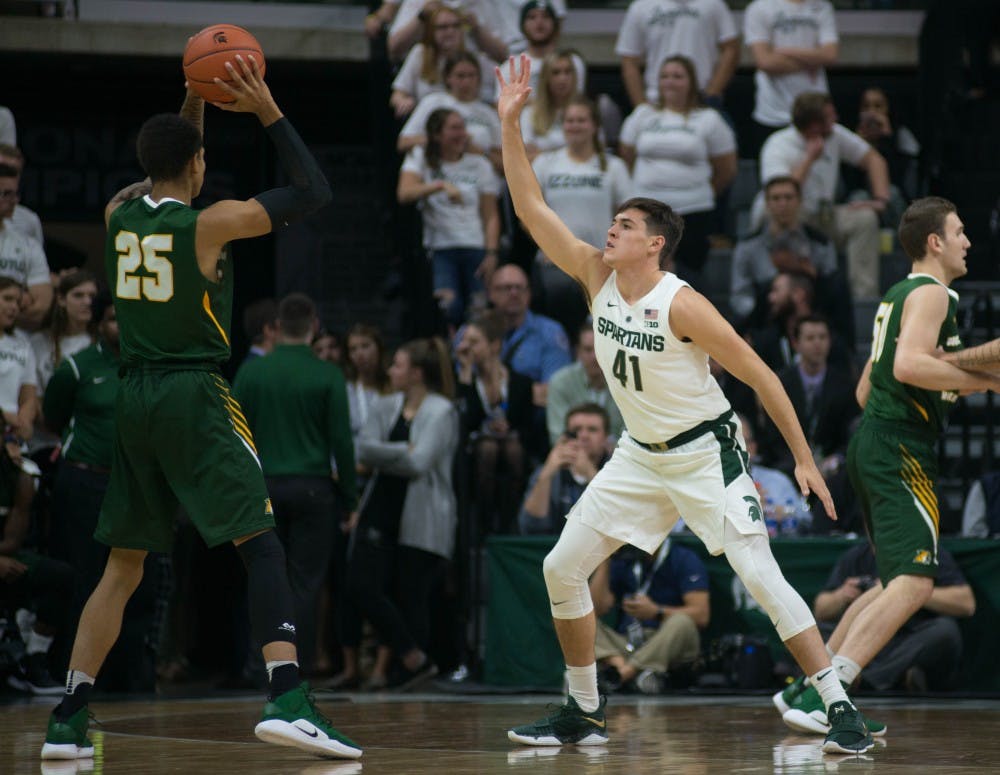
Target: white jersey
<point x="661" y="385"/>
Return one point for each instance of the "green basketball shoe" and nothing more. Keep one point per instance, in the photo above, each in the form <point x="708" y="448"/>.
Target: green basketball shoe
<point x="807" y="714"/>
<point x="68" y="739"/>
<point x="848" y="733"/>
<point x="292" y="719"/>
<point x="569" y="724"/>
<point x="784" y="699"/>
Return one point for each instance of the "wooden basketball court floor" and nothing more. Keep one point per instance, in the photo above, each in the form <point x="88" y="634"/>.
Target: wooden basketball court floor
<point x="453" y="735"/>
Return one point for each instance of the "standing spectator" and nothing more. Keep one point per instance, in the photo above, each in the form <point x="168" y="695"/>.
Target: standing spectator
<point x="540" y="24"/>
<point x="69" y="328"/>
<point x="811" y="150"/>
<point x="8" y="128"/>
<point x="260" y="323"/>
<point x="458" y="194"/>
<point x="406" y="531"/>
<point x="533" y="344"/>
<point x="543" y="118"/>
<point x="792" y="42"/>
<point x="487" y="29"/>
<point x="683" y="154"/>
<point x="462" y="77"/>
<point x="24" y="219"/>
<point x="661" y="604"/>
<point x="497" y="410"/>
<point x="784" y="244"/>
<point x="576" y="456"/>
<point x="296" y="410"/>
<point x="367" y="378"/>
<point x="22" y="257"/>
<point x="581" y="382"/>
<point x="423" y="69"/>
<point x="328" y="346"/>
<point x="583" y="184"/>
<point x="701" y="30"/>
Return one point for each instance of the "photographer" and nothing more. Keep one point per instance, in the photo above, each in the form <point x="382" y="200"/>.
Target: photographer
<point x="927" y="650"/>
<point x="574" y="460"/>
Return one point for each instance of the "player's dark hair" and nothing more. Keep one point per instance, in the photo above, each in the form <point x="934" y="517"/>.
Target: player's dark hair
<point x="257" y="316"/>
<point x="431" y="356"/>
<point x="808" y="109"/>
<point x="590" y="407"/>
<point x="783" y="180"/>
<point x="296" y="314"/>
<point x="660" y="220"/>
<point x="920" y="220"/>
<point x="166" y="143"/>
<point x="435" y="123"/>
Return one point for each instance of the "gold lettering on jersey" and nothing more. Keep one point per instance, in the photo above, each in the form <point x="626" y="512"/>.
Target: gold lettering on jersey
<point x="636" y="340"/>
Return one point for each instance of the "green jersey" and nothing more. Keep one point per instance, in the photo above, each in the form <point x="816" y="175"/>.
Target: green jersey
<point x="891" y="399"/>
<point x="168" y="312"/>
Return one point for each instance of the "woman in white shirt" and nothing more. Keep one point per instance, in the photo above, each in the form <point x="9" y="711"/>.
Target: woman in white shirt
<point x="69" y="328"/>
<point x="457" y="193"/>
<point x="584" y="185"/>
<point x="367" y="378"/>
<point x="462" y="76"/>
<point x="683" y="154"/>
<point x="541" y="122"/>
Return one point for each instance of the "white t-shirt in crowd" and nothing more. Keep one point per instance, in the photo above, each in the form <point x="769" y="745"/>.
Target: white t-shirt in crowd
<point x="784" y="24"/>
<point x="447" y="224"/>
<point x="17" y="368"/>
<point x="409" y="80"/>
<point x="582" y="194"/>
<point x="489" y="13"/>
<point x="674" y="152"/>
<point x="552" y="140"/>
<point x="44" y="351"/>
<point x="481" y="120"/>
<point x="657" y="29"/>
<point x="22" y="257"/>
<point x="26" y="221"/>
<point x="8" y="129"/>
<point x="785" y="149"/>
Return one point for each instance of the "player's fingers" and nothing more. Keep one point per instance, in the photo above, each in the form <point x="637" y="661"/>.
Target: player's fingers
<point x="255" y="68"/>
<point x="245" y="71"/>
<point x="235" y="74"/>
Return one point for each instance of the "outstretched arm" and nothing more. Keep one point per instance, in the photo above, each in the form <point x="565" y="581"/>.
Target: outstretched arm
<point x="575" y="257"/>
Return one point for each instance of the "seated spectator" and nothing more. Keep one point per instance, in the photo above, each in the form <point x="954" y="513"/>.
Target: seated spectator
<point x="542" y="119"/>
<point x="784" y="244"/>
<point x="487" y="28"/>
<point x="792" y="42"/>
<point x="581" y="382"/>
<point x="458" y="193"/>
<point x="653" y="30"/>
<point x="423" y="70"/>
<point x="69" y="328"/>
<point x="784" y="509"/>
<point x="8" y="127"/>
<point x="533" y="345"/>
<point x="366" y="374"/>
<point x="584" y="185"/>
<point x="24" y="219"/>
<point x="681" y="153"/>
<point x="496" y="407"/>
<point x="540" y="24"/>
<point x="328" y="346"/>
<point x="811" y="150"/>
<point x="660" y="603"/>
<point x="462" y="77"/>
<point x="22" y="257"/>
<point x="260" y="324"/>
<point x="575" y="458"/>
<point x="18" y="389"/>
<point x="981" y="513"/>
<point x="927" y="650"/>
<point x="898" y="147"/>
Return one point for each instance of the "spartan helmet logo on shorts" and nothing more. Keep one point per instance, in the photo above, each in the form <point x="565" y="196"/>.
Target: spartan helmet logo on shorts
<point x="220" y="37"/>
<point x="754" y="513"/>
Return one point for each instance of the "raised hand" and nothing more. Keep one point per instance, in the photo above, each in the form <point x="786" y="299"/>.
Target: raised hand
<point x="247" y="88"/>
<point x="514" y="93"/>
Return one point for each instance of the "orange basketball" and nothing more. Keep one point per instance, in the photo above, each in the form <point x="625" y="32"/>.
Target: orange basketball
<point x="206" y="54"/>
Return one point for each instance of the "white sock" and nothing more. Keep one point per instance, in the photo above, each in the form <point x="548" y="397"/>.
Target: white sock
<point x="75" y="678"/>
<point x="583" y="686"/>
<point x="827" y="683"/>
<point x="278" y="663"/>
<point x="847" y="669"/>
<point x="38" y="644"/>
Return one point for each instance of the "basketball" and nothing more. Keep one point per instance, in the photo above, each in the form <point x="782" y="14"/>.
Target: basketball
<point x="206" y="54"/>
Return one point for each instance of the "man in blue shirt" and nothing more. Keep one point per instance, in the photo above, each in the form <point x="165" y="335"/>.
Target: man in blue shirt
<point x="662" y="603"/>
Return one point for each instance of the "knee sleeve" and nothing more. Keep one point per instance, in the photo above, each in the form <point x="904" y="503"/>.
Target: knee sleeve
<point x="270" y="597"/>
<point x="568" y="566"/>
<point x="751" y="558"/>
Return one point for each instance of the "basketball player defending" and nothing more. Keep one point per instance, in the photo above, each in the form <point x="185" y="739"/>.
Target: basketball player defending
<point x="683" y="452"/>
<point x="180" y="437"/>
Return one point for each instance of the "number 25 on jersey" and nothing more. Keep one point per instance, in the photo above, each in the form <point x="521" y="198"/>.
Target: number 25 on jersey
<point x="158" y="284"/>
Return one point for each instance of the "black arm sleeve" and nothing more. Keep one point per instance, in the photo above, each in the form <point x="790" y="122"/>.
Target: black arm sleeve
<point x="308" y="190"/>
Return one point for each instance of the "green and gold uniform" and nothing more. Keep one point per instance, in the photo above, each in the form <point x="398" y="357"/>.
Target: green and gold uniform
<point x="892" y="460"/>
<point x="180" y="438"/>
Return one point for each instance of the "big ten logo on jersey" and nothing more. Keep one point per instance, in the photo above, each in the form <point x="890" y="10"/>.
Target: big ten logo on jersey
<point x="650" y="318"/>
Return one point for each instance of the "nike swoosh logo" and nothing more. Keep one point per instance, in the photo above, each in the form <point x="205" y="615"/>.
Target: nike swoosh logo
<point x="612" y="305"/>
<point x="314" y="733"/>
<point x="559" y="603"/>
<point x="602" y="723"/>
<point x="821" y="677"/>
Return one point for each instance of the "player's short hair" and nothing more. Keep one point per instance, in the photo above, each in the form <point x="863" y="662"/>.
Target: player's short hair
<point x="920" y="220"/>
<point x="660" y="220"/>
<point x="296" y="315"/>
<point x="591" y="408"/>
<point x="166" y="143"/>
<point x="783" y="180"/>
<point x="257" y="316"/>
<point x="808" y="109"/>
